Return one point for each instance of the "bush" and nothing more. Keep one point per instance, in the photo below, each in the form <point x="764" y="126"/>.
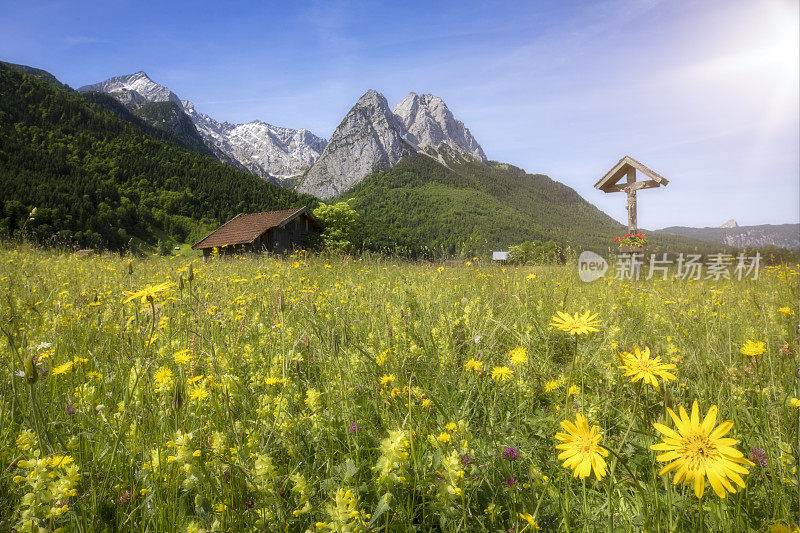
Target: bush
<point x="535" y="252"/>
<point x="339" y="221"/>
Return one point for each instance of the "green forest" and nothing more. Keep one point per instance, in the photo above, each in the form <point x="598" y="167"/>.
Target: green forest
<point x="421" y="207"/>
<point x="97" y="180"/>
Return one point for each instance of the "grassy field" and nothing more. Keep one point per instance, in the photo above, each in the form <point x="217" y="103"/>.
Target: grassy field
<point x="331" y="394"/>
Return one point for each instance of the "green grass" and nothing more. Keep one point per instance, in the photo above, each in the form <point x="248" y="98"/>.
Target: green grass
<point x="292" y="352"/>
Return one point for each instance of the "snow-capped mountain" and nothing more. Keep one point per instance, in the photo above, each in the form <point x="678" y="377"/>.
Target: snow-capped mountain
<point x="146" y="89"/>
<point x="372" y="137"/>
<point x="268" y="151"/>
<point x="430" y="124"/>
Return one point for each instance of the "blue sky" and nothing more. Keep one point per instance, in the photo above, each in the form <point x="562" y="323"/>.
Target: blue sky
<point x="704" y="92"/>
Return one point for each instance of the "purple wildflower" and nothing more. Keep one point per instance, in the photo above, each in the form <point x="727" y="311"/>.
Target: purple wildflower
<point x="511" y="453"/>
<point x="511" y="481"/>
<point x="70" y="410"/>
<point x="354" y="428"/>
<point x="758" y="456"/>
<point x="465" y="460"/>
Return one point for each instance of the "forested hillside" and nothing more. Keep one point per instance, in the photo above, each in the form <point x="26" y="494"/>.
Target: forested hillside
<point x="98" y="180"/>
<point x="422" y="207"/>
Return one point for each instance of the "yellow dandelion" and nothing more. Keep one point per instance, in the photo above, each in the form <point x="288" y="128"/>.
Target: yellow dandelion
<point x="518" y="356"/>
<point x="551" y="385"/>
<point x="753" y="348"/>
<point x="387" y="378"/>
<point x="698" y="450"/>
<point x="639" y="366"/>
<point x="501" y="373"/>
<point x="794" y="402"/>
<point x="581" y="447"/>
<point x="474" y="366"/>
<point x="578" y="324"/>
<point x="785" y="311"/>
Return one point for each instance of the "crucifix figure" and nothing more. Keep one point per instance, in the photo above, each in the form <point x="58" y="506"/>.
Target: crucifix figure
<point x="627" y="167"/>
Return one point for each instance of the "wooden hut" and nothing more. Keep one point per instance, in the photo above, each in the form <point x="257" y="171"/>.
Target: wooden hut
<point x="272" y="231"/>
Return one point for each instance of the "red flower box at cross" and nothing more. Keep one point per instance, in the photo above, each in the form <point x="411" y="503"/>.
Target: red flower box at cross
<point x="631" y="239"/>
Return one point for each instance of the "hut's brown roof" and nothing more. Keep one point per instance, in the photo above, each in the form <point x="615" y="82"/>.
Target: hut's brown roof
<point x="245" y="228"/>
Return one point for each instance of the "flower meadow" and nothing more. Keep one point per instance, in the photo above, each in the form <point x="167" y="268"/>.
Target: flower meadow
<point x="338" y="394"/>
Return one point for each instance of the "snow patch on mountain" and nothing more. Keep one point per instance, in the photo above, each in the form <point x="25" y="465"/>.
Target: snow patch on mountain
<point x="268" y="151"/>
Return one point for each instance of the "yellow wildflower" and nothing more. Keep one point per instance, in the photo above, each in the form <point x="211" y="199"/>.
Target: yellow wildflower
<point x="639" y="366"/>
<point x="518" y="356"/>
<point x="698" y="450"/>
<point x="531" y="522"/>
<point x="551" y="385"/>
<point x="753" y="348"/>
<point x="182" y="357"/>
<point x="582" y="450"/>
<point x="149" y="293"/>
<point x="198" y="393"/>
<point x="578" y="324"/>
<point x="63" y="369"/>
<point x="474" y="366"/>
<point x="501" y="373"/>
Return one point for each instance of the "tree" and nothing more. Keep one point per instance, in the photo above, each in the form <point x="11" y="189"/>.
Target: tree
<point x="339" y="221"/>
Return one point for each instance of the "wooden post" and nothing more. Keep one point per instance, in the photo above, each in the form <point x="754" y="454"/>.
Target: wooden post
<point x="630" y="188"/>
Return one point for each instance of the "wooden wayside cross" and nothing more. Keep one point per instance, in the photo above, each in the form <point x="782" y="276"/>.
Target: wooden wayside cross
<point x="627" y="167"/>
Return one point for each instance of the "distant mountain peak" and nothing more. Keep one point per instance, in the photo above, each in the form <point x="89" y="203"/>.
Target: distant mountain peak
<point x="268" y="151"/>
<point x="730" y="224"/>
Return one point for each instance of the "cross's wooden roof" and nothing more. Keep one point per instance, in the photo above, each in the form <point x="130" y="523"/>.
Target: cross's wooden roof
<point x="608" y="182"/>
<point x="245" y="228"/>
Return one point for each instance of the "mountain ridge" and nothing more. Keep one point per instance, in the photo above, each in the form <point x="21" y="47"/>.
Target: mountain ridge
<point x="270" y="152"/>
<point x="780" y="235"/>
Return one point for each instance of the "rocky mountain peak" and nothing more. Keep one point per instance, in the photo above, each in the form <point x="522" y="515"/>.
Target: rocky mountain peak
<point x="373" y="137"/>
<point x="430" y="124"/>
<point x="730" y="224"/>
<point x="369" y="138"/>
